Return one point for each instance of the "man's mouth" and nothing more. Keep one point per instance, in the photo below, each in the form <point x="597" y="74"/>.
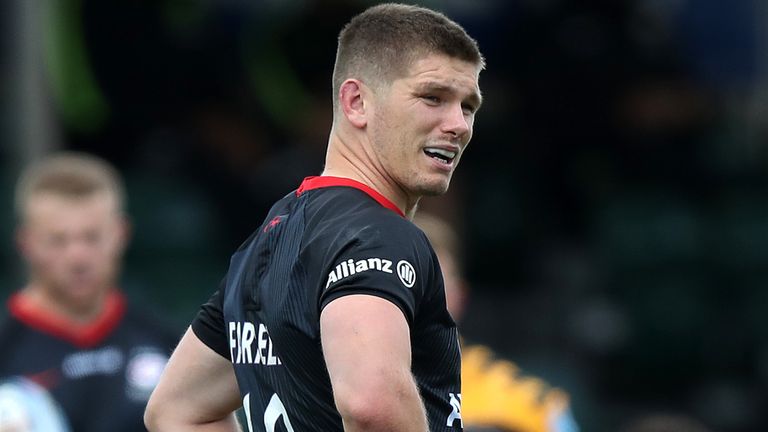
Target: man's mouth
<point x="442" y="155"/>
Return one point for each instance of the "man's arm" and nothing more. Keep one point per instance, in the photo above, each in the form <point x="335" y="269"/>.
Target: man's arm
<point x="197" y="391"/>
<point x="367" y="349"/>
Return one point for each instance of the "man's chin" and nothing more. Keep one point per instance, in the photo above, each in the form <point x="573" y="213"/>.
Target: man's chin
<point x="435" y="188"/>
<point x="82" y="298"/>
<point x="427" y="187"/>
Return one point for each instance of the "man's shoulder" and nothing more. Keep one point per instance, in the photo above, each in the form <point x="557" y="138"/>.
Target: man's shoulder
<point x="345" y="201"/>
<point x="148" y="325"/>
<point x="351" y="211"/>
<point x="374" y="227"/>
<point x="15" y="337"/>
<point x="9" y="326"/>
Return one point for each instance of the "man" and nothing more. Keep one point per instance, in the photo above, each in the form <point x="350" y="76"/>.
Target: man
<point x="69" y="330"/>
<point x="332" y="315"/>
<point x="497" y="397"/>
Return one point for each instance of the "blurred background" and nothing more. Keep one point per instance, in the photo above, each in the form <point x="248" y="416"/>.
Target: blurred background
<point x="613" y="202"/>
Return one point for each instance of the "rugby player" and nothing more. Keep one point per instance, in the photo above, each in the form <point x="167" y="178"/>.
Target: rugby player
<point x="332" y="315"/>
<point x="69" y="329"/>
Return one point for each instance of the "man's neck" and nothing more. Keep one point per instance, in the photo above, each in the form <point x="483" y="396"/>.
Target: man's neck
<point x="38" y="296"/>
<point x="351" y="160"/>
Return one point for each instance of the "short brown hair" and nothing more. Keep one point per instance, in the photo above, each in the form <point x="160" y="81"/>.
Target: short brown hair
<point x="71" y="175"/>
<point x="384" y="40"/>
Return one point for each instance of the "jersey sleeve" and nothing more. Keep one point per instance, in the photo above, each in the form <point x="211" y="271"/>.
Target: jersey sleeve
<point x="209" y="325"/>
<point x="395" y="266"/>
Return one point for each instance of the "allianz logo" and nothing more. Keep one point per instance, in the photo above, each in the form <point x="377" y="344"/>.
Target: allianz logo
<point x="405" y="270"/>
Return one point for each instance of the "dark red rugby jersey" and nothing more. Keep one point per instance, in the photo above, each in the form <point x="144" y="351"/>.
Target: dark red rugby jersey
<point x="330" y="238"/>
<point x="100" y="374"/>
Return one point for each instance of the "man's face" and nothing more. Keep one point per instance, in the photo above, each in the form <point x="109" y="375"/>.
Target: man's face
<point x="72" y="246"/>
<point x="423" y="121"/>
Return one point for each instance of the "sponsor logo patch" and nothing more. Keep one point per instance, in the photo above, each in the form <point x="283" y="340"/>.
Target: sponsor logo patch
<point x="406" y="273"/>
<point x="349" y="267"/>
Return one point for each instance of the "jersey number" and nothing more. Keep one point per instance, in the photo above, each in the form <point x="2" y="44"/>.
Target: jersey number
<point x="275" y="410"/>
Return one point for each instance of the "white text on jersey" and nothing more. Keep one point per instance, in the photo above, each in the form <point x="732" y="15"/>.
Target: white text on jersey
<point x="456" y="410"/>
<point x="350" y="267"/>
<point x="242" y="336"/>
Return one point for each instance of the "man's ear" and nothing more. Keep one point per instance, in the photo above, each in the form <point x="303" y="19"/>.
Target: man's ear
<point x="352" y="102"/>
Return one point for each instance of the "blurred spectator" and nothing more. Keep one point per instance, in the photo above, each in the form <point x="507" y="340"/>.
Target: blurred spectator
<point x="496" y="394"/>
<point x="69" y="329"/>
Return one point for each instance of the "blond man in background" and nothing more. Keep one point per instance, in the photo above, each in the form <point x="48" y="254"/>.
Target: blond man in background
<point x="69" y="330"/>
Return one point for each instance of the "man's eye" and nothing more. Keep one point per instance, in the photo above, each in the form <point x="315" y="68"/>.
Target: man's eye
<point x="431" y="99"/>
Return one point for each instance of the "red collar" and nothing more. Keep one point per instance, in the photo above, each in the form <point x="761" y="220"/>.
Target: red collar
<point x="317" y="182"/>
<point x="81" y="335"/>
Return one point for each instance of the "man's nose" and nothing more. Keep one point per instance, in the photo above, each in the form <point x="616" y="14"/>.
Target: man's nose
<point x="78" y="250"/>
<point x="456" y="122"/>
